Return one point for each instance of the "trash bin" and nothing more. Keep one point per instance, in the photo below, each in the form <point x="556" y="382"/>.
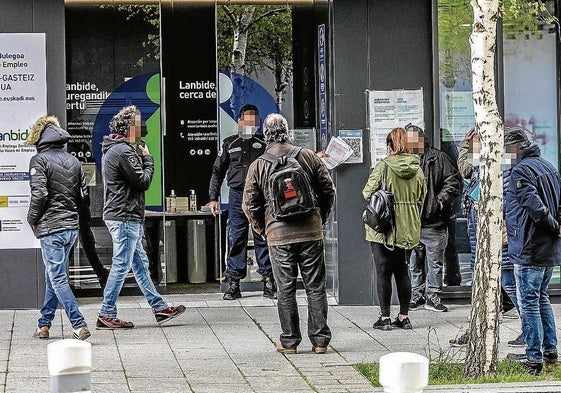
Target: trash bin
<point x="196" y="251"/>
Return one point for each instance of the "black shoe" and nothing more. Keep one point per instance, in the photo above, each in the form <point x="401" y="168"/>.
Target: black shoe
<point x="383" y="324"/>
<point x="270" y="288"/>
<point x="518" y="342"/>
<point x="405" y="323"/>
<point x="550" y="357"/>
<point x="233" y="291"/>
<point x="531" y="367"/>
<point x="416" y="303"/>
<point x="460" y="341"/>
<point x="434" y="304"/>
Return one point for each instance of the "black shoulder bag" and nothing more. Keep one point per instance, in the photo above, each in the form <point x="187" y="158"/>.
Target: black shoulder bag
<point x="379" y="212"/>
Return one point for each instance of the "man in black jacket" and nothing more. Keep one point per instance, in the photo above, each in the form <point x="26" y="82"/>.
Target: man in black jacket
<point x="127" y="174"/>
<point x="443" y="187"/>
<point x="237" y="153"/>
<point x="58" y="188"/>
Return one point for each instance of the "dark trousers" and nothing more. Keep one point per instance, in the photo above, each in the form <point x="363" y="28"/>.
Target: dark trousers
<point x="308" y="256"/>
<point x="388" y="263"/>
<point x="238" y="231"/>
<point x="87" y="241"/>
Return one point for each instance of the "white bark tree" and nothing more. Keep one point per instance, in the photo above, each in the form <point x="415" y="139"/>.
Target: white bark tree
<point x="482" y="354"/>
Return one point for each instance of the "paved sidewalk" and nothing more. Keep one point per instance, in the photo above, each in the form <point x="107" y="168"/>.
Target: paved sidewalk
<point x="219" y="346"/>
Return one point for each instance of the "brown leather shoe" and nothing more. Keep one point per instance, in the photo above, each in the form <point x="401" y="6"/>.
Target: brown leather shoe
<point x="104" y="323"/>
<point x="42" y="332"/>
<point x="286" y="351"/>
<point x="319" y="349"/>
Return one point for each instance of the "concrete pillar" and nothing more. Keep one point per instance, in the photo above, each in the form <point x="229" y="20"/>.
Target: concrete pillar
<point x="70" y="366"/>
<point x="404" y="372"/>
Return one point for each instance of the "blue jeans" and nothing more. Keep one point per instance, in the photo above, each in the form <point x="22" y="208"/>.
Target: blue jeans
<point x="238" y="231"/>
<point x="426" y="276"/>
<point x="538" y="324"/>
<point x="128" y="252"/>
<point x="56" y="249"/>
<point x="508" y="282"/>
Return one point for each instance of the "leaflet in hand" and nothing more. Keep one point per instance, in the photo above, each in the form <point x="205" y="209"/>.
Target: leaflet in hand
<point x="338" y="151"/>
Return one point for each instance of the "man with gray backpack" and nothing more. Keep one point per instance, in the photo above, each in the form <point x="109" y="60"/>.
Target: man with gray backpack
<point x="287" y="197"/>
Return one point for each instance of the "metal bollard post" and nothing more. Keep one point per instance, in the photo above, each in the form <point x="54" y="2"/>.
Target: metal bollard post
<point x="70" y="366"/>
<point x="404" y="372"/>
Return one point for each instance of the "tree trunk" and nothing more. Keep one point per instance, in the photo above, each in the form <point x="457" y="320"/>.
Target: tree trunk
<point x="482" y="352"/>
<point x="241" y="31"/>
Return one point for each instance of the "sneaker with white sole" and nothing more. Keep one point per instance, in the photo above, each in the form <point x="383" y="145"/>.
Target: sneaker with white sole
<point x="167" y="314"/>
<point x="82" y="333"/>
<point x="434" y="304"/>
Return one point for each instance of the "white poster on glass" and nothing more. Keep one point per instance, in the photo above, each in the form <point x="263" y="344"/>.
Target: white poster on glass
<point x="23" y="99"/>
<point x="388" y="110"/>
<point x="530" y="70"/>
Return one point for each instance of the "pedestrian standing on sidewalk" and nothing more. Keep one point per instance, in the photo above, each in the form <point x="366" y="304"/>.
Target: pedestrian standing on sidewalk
<point x="127" y="173"/>
<point x="237" y="153"/>
<point x="391" y="251"/>
<point x="533" y="217"/>
<point x="443" y="187"/>
<point x="294" y="243"/>
<point x="58" y="188"/>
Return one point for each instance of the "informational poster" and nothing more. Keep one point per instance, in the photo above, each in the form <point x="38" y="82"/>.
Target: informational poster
<point x="353" y="138"/>
<point x="23" y="99"/>
<point x="305" y="137"/>
<point x="457" y="115"/>
<point x="388" y="110"/>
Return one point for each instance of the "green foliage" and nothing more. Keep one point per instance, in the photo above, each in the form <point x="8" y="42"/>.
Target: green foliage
<point x="451" y="373"/>
<point x="455" y="18"/>
<point x="269" y="43"/>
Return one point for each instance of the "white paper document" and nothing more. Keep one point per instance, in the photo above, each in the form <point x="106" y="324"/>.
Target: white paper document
<point x="338" y="151"/>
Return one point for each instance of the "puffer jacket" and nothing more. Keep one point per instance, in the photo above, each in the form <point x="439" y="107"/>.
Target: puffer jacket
<point x="533" y="211"/>
<point x="126" y="176"/>
<point x="407" y="182"/>
<point x="443" y="187"/>
<point x="57" y="182"/>
<point x="256" y="195"/>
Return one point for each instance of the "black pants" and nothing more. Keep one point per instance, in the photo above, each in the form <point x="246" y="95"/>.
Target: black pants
<point x="87" y="240"/>
<point x="388" y="263"/>
<point x="286" y="259"/>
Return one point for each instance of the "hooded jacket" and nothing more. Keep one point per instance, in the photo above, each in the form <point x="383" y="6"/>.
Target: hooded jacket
<point x="406" y="181"/>
<point x="533" y="211"/>
<point x="256" y="195"/>
<point x="443" y="187"/>
<point x="57" y="182"/>
<point x="126" y="176"/>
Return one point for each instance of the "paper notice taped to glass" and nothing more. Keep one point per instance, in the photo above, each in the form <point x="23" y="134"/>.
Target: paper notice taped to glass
<point x="338" y="151"/>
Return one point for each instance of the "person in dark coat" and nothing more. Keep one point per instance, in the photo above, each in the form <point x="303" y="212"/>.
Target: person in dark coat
<point x="533" y="217"/>
<point x="58" y="189"/>
<point x="443" y="187"/>
<point x="233" y="161"/>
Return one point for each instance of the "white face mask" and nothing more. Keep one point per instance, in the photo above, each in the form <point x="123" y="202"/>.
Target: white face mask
<point x="246" y="132"/>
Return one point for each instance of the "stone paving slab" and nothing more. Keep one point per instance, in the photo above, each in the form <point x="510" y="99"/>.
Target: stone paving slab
<point x="219" y="346"/>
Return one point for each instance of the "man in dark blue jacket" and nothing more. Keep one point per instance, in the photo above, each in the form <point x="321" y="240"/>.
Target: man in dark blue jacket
<point x="237" y="153"/>
<point x="533" y="214"/>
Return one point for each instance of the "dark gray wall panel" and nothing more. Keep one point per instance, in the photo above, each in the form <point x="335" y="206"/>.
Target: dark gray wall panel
<point x="350" y="51"/>
<point x="379" y="45"/>
<point x="21" y="279"/>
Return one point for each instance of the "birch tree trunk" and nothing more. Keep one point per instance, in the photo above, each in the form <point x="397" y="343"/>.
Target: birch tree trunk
<point x="241" y="31"/>
<point x="482" y="353"/>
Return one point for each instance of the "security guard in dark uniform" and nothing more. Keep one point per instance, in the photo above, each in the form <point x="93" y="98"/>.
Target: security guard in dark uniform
<point x="237" y="153"/>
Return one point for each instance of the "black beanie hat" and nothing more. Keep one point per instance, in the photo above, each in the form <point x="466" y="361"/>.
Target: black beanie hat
<point x="516" y="137"/>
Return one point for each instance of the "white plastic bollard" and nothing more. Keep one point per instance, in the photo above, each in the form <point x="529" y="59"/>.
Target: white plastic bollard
<point x="70" y="366"/>
<point x="404" y="372"/>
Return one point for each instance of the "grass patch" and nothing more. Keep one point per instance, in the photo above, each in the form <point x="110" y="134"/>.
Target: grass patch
<point x="447" y="373"/>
